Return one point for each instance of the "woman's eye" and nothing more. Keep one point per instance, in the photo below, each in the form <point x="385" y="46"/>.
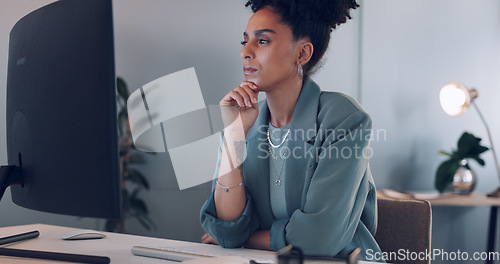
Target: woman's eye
<point x="261" y="41"/>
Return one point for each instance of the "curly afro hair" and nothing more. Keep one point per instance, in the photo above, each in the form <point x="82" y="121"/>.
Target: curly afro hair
<point x="314" y="19"/>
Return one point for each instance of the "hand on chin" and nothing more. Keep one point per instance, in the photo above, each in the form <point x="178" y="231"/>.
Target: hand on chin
<point x="255" y="81"/>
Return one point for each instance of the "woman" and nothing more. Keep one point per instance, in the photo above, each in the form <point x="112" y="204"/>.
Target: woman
<point x="305" y="180"/>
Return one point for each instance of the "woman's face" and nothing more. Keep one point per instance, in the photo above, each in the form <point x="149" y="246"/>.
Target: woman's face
<point x="269" y="52"/>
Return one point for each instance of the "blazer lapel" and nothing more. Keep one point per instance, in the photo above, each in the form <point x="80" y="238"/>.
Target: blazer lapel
<point x="303" y="132"/>
<point x="256" y="166"/>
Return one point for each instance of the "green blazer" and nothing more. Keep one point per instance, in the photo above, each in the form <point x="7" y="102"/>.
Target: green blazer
<point x="329" y="191"/>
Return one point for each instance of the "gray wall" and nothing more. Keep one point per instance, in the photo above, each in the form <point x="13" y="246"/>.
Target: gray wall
<point x="393" y="56"/>
<point x="410" y="49"/>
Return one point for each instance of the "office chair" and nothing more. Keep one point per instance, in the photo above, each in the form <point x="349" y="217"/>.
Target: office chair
<point x="404" y="224"/>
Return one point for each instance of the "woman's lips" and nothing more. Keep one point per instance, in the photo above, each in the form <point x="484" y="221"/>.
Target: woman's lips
<point x="248" y="70"/>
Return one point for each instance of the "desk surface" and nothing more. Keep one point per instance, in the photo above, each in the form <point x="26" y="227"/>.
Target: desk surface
<point x="448" y="199"/>
<point x="116" y="246"/>
<point x="474" y="199"/>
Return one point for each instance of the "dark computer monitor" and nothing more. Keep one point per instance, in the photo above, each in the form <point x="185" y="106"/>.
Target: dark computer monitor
<point x="62" y="131"/>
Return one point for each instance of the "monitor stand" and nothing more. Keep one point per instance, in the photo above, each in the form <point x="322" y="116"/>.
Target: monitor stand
<point x="11" y="175"/>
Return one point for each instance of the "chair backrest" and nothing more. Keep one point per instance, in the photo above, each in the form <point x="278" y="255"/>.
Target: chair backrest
<point x="404" y="224"/>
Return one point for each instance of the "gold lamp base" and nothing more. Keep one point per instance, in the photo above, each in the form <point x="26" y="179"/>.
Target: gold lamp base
<point x="495" y="193"/>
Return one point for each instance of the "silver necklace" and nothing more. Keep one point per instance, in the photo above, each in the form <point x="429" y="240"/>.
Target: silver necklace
<point x="270" y="146"/>
<point x="280" y="144"/>
<point x="278" y="181"/>
<point x="271" y="151"/>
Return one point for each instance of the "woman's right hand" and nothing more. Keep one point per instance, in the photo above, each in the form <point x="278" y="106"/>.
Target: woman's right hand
<point x="241" y="102"/>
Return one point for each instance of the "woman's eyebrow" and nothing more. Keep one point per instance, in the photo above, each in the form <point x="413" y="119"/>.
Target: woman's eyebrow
<point x="260" y="31"/>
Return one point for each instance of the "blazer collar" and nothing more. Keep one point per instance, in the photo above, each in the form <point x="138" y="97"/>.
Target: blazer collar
<point x="304" y="116"/>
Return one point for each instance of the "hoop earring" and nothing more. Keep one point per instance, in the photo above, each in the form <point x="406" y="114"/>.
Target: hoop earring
<point x="300" y="71"/>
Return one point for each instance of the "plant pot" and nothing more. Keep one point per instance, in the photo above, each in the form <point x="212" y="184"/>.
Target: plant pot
<point x="464" y="179"/>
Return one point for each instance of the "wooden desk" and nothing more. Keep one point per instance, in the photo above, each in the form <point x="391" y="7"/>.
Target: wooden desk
<point x="115" y="246"/>
<point x="474" y="199"/>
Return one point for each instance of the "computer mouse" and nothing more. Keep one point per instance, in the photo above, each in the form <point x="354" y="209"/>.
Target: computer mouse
<point x="80" y="234"/>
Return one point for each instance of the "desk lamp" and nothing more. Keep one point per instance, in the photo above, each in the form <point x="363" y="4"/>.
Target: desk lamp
<point x="455" y="99"/>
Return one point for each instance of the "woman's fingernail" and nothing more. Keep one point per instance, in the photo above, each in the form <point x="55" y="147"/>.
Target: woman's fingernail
<point x="254" y="100"/>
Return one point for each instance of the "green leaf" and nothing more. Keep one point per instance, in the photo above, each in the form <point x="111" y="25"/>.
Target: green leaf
<point x="134" y="194"/>
<point x="136" y="158"/>
<point x="121" y="87"/>
<point x="469" y="146"/>
<point x="149" y="220"/>
<point x="125" y="200"/>
<point x="465" y="143"/>
<point x="143" y="152"/>
<point x="444" y="174"/>
<point x="124" y="113"/>
<point x="144" y="222"/>
<point x="478" y="149"/>
<point x="139" y="206"/>
<point x="479" y="160"/>
<point x="122" y="121"/>
<point x="138" y="178"/>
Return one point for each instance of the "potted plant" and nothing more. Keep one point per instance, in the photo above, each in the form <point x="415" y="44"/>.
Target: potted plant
<point x="454" y="173"/>
<point x="133" y="181"/>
